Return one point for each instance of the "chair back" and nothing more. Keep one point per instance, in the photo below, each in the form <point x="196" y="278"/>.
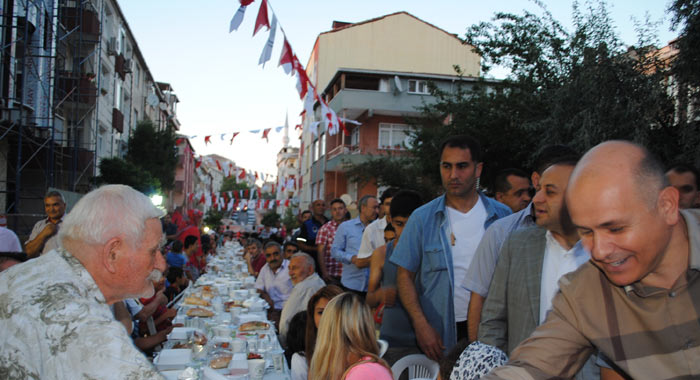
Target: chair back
<point x="419" y="366"/>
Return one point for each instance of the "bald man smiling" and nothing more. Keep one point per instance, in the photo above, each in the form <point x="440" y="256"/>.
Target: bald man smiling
<point x="638" y="300"/>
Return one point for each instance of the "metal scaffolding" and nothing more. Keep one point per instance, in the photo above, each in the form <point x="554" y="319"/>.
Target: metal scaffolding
<point x="49" y="65"/>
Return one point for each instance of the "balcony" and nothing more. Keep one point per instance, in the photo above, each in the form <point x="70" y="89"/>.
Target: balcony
<point x="86" y="19"/>
<point x="78" y="88"/>
<point x="355" y="102"/>
<point x="117" y="120"/>
<point x="338" y="158"/>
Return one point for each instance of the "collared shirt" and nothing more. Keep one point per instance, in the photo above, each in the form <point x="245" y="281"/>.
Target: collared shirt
<point x="649" y="333"/>
<point x="298" y="300"/>
<point x="372" y="238"/>
<point x="424" y="249"/>
<point x="480" y="272"/>
<point x="347" y="242"/>
<point x="56" y="318"/>
<point x="277" y="285"/>
<point x="557" y="262"/>
<point x="325" y="236"/>
<point x="52" y="242"/>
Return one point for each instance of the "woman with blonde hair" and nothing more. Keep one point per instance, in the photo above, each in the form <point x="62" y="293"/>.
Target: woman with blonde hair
<point x="346" y="348"/>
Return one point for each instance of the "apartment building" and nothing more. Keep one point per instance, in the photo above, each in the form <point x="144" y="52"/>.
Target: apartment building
<point x="375" y="72"/>
<point x="73" y="85"/>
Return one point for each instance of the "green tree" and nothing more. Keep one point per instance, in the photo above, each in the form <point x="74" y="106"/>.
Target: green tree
<point x="577" y="88"/>
<point x="289" y="220"/>
<point x="119" y="171"/>
<point x="686" y="17"/>
<point x="270" y="219"/>
<point x="231" y="184"/>
<point x="154" y="151"/>
<point x="213" y="218"/>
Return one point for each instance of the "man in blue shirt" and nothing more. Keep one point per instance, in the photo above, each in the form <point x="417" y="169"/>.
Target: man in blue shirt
<point x="175" y="258"/>
<point x="437" y="245"/>
<point x="347" y="242"/>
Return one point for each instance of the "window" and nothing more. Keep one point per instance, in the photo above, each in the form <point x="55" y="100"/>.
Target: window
<point x="394" y="136"/>
<point x="417" y="87"/>
<point x="321" y="145"/>
<point x="355" y="137"/>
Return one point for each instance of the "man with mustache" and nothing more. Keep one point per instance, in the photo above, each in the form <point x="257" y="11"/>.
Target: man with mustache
<point x="56" y="308"/>
<point x="437" y="245"/>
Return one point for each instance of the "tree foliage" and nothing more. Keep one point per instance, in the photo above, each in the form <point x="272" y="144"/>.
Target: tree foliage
<point x="289" y="220"/>
<point x="271" y="219"/>
<point x="213" y="218"/>
<point x="577" y="88"/>
<point x="231" y="184"/>
<point x="119" y="171"/>
<point x="154" y="151"/>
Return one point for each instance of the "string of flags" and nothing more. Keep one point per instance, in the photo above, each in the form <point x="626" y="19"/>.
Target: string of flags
<point x="236" y="200"/>
<point x="292" y="66"/>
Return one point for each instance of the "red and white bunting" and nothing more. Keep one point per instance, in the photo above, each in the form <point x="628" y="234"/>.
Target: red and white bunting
<point x="262" y="19"/>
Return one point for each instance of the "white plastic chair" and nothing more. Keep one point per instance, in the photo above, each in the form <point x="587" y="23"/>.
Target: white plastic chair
<point x="383" y="346"/>
<point x="419" y="367"/>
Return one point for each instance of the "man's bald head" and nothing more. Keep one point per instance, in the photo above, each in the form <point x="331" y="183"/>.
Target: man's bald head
<point x="624" y="212"/>
<point x="610" y="162"/>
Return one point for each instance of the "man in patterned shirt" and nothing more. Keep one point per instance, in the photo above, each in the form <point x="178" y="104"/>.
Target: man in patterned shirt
<point x="330" y="268"/>
<point x="55" y="310"/>
<point x="637" y="301"/>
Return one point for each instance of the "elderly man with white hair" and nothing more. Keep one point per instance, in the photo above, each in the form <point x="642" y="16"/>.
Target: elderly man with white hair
<point x="306" y="282"/>
<point x="55" y="310"/>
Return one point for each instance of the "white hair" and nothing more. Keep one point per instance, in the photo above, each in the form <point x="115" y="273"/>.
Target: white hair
<point x="107" y="212"/>
<point x="309" y="260"/>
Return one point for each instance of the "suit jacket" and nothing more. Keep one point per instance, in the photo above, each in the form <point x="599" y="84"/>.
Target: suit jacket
<point x="512" y="308"/>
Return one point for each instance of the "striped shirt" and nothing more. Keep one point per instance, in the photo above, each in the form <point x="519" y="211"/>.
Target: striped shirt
<point x="649" y="333"/>
<point x="325" y="236"/>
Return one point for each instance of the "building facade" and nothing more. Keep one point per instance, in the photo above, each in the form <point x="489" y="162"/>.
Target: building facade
<point x="376" y="73"/>
<point x="73" y="86"/>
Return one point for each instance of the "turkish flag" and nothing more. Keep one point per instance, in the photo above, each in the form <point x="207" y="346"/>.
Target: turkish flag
<point x="218" y="165"/>
<point x="266" y="132"/>
<point x="233" y="137"/>
<point x="262" y="19"/>
<point x="207" y="140"/>
<point x="286" y="58"/>
<point x="242" y="175"/>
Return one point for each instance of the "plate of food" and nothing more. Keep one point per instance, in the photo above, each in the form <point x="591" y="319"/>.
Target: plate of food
<point x="253" y="326"/>
<point x="200" y="312"/>
<point x="194" y="300"/>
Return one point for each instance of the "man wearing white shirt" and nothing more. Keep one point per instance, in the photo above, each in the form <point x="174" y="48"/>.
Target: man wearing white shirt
<point x="531" y="263"/>
<point x="373" y="236"/>
<point x="273" y="282"/>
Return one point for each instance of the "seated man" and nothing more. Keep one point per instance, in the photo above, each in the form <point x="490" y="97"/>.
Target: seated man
<point x="306" y="282"/>
<point x="109" y="252"/>
<point x="289" y="249"/>
<point x="273" y="282"/>
<point x="254" y="257"/>
<point x="637" y="300"/>
<point x="177" y="258"/>
<point x="178" y="282"/>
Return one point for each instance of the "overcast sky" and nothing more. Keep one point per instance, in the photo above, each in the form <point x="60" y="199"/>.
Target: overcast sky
<point x="223" y="90"/>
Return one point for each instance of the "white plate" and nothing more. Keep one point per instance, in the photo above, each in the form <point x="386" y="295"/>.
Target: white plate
<point x="180" y="333"/>
<point x="173" y="359"/>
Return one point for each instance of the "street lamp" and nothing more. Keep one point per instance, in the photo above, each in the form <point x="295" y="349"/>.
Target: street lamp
<point x="156" y="199"/>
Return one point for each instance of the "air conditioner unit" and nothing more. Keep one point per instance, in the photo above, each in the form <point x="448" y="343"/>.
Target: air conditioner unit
<point x="112" y="46"/>
<point x="128" y="66"/>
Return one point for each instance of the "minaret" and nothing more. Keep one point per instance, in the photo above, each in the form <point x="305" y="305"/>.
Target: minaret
<point x="285" y="139"/>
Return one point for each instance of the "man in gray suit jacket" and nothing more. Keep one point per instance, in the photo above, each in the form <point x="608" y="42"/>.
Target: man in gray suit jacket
<point x="531" y="262"/>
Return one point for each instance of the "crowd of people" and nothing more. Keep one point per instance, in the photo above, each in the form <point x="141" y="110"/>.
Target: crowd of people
<point x="584" y="268"/>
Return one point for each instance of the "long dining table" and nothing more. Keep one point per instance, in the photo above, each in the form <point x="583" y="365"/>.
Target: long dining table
<point x="225" y="333"/>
